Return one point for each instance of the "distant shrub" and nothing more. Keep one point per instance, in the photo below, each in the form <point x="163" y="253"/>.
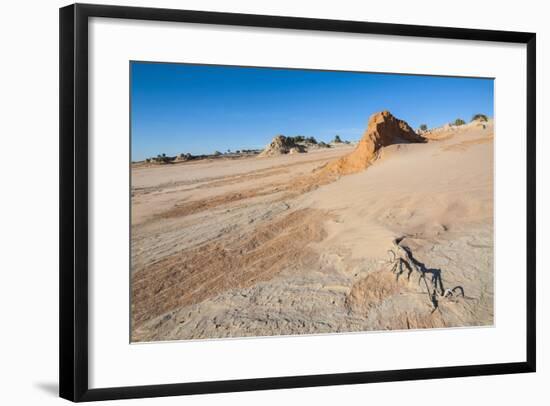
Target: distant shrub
<point x="217" y="153"/>
<point x="459" y="121"/>
<point x="423" y="127"/>
<point x="323" y="144"/>
<point x="336" y="139"/>
<point x="480" y="117"/>
<point x="161" y="159"/>
<point x="311" y="140"/>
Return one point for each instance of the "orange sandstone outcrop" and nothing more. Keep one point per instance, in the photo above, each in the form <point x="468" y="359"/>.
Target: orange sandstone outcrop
<point x="383" y="129"/>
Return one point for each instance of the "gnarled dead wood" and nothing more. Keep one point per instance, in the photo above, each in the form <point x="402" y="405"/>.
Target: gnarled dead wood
<point x="402" y="260"/>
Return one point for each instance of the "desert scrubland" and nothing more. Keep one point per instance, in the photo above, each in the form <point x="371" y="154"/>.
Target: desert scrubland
<point x="303" y="242"/>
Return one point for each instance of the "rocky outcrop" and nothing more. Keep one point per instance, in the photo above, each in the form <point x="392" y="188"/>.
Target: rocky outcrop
<point x="383" y="130"/>
<point x="281" y="145"/>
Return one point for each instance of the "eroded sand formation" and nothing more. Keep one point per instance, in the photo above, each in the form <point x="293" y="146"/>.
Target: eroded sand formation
<point x="383" y="130"/>
<point x="298" y="244"/>
<point x="281" y="145"/>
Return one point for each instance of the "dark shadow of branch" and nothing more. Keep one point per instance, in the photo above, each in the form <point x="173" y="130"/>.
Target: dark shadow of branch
<point x="403" y="259"/>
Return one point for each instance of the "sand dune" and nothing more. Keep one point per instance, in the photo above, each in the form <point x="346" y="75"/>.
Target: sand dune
<point x="294" y="244"/>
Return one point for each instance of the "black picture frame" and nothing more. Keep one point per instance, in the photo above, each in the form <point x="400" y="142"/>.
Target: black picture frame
<point x="73" y="276"/>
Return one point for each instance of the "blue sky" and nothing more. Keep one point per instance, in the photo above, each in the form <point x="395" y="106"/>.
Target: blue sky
<point x="199" y="109"/>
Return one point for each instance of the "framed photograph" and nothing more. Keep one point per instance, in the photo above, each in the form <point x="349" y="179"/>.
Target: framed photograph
<point x="257" y="202"/>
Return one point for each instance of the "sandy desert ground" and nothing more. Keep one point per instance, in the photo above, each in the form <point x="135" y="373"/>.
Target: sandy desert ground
<point x="270" y="246"/>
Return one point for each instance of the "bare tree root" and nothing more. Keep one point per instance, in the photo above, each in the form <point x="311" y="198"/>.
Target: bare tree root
<point x="402" y="260"/>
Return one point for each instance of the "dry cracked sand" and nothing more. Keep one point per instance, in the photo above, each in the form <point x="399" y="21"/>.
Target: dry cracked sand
<point x="288" y="244"/>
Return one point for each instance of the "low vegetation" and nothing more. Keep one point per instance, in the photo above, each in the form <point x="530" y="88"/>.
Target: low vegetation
<point x="300" y="139"/>
<point x="480" y="117"/>
<point x="161" y="159"/>
<point x="311" y="140"/>
<point x="459" y="121"/>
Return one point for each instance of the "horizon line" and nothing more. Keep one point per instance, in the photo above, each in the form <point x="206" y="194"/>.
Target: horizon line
<point x="256" y="148"/>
